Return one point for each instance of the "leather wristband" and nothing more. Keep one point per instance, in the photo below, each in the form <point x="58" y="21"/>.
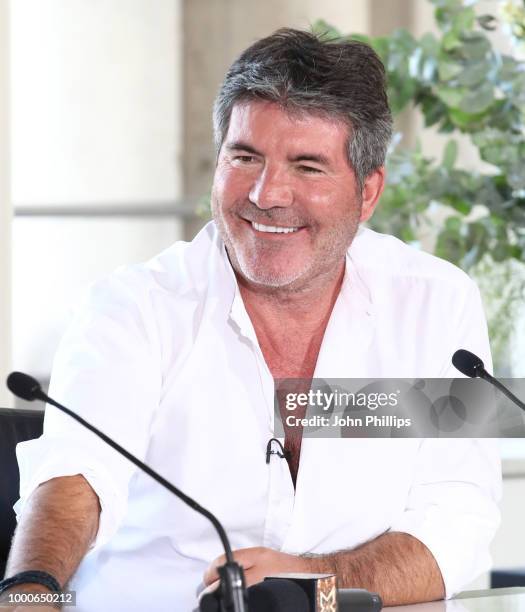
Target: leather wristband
<point x="31" y="576"/>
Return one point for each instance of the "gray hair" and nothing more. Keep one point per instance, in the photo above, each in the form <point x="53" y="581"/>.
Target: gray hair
<point x="306" y="73"/>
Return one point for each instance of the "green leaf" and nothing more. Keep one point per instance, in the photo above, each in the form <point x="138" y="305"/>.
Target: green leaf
<point x="381" y="46"/>
<point x="515" y="251"/>
<point x="453" y="224"/>
<point x="360" y="38"/>
<point x="458" y="204"/>
<point x="466" y="121"/>
<point x="516" y="176"/>
<point x="474" y="73"/>
<point x="449" y="246"/>
<point x="448" y="69"/>
<point x="407" y="234"/>
<point x="450" y="41"/>
<point x="465" y="20"/>
<point x="451" y="96"/>
<point x="475" y="46"/>
<point x="477" y="100"/>
<point x="429" y="43"/>
<point x="500" y="252"/>
<point x="326" y="30"/>
<point x="450" y="154"/>
<point x="399" y="95"/>
<point x="433" y="108"/>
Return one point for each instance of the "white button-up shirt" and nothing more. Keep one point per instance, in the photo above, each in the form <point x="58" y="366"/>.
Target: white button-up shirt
<point x="163" y="357"/>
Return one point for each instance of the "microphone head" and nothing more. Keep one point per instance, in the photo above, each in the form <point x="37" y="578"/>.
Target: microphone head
<point x="24" y="386"/>
<point x="277" y="595"/>
<point x="468" y="363"/>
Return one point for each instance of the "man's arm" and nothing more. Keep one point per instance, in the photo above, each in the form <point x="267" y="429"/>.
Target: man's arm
<point x="58" y="524"/>
<point x="396" y="565"/>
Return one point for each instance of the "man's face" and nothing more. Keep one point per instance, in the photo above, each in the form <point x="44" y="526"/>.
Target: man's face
<point x="284" y="197"/>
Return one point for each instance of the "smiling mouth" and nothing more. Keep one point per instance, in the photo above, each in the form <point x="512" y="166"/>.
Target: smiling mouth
<point x="273" y="229"/>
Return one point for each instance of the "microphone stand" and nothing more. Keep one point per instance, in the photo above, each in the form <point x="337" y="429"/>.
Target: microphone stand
<point x="486" y="376"/>
<point x="232" y="591"/>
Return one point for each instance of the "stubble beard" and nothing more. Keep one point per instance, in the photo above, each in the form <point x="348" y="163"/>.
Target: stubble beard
<point x="325" y="263"/>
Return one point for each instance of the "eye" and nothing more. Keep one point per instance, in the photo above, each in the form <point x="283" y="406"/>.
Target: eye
<point x="309" y="169"/>
<point x="244" y="159"/>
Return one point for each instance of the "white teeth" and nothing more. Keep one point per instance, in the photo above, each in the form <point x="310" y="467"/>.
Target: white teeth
<point x="273" y="229"/>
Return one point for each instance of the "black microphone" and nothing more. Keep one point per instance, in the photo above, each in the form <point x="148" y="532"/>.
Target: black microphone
<point x="232" y="590"/>
<point x="24" y="386"/>
<point x="283" y="454"/>
<point x="271" y="595"/>
<point x="277" y="596"/>
<point x="285" y="595"/>
<point x="358" y="600"/>
<point x="468" y="363"/>
<point x="472" y="366"/>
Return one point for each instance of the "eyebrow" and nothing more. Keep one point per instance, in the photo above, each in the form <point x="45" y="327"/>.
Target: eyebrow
<point x="242" y="146"/>
<point x="311" y="157"/>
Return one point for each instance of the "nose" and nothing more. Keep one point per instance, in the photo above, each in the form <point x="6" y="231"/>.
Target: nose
<point x="271" y="189"/>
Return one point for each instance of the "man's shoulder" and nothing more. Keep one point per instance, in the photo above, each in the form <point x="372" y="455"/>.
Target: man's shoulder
<point x="180" y="267"/>
<point x="376" y="253"/>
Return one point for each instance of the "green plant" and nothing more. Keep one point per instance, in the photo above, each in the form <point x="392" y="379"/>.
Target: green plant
<point x="462" y="85"/>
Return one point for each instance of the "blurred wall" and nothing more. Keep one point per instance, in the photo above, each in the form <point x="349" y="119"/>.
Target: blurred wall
<point x="5" y="211"/>
<point x="96" y="124"/>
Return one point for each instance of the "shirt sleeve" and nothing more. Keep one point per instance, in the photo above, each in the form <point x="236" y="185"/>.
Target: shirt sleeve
<point x="452" y="506"/>
<point x="107" y="370"/>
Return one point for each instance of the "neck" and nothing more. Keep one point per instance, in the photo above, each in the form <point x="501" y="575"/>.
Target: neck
<point x="278" y="309"/>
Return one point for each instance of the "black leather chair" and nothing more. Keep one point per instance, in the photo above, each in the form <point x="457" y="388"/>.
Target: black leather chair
<point x="15" y="426"/>
<point x="512" y="577"/>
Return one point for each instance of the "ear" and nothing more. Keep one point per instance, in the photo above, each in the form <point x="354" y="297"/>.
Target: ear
<point x="372" y="189"/>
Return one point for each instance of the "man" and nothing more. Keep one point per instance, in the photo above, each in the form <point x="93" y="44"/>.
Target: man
<point x="176" y="358"/>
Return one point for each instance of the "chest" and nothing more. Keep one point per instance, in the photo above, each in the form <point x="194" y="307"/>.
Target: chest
<point x="292" y="360"/>
<point x="292" y="356"/>
<point x="290" y="366"/>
